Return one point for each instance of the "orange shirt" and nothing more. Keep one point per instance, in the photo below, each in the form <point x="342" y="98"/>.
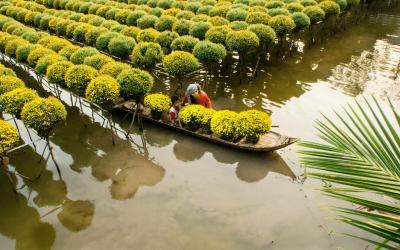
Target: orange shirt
<point x="201" y="99"/>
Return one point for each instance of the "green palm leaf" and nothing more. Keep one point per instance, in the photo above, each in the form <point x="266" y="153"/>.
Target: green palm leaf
<point x="361" y="152"/>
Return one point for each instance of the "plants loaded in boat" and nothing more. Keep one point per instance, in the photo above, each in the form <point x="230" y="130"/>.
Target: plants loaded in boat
<point x="157" y="103"/>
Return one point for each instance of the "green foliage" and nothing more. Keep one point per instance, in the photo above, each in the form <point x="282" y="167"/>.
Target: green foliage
<point x="251" y="124"/>
<point x="46" y="61"/>
<point x="278" y="11"/>
<point x="97" y="61"/>
<point x="193" y="6"/>
<point x="109" y="24"/>
<point x="94" y="33"/>
<point x="56" y="72"/>
<point x="200" y="18"/>
<point x="166" y="37"/>
<point x="104" y="39"/>
<point x="219" y="11"/>
<point x="238" y="25"/>
<point x="78" y="56"/>
<point x="134" y="16"/>
<point x="265" y="33"/>
<point x="8" y="83"/>
<point x="330" y="8"/>
<point x="182" y="27"/>
<point x="218" y="21"/>
<point x="165" y="4"/>
<point x="223" y="124"/>
<point x="191" y="116"/>
<point x="352" y="3"/>
<point x="6" y="71"/>
<point x="274" y="4"/>
<point x="13" y="101"/>
<point x="294" y="7"/>
<point x="180" y="63"/>
<point x="258" y="17"/>
<point x="184" y="43"/>
<point x="114" y="68"/>
<point x="359" y="157"/>
<point x="130" y="32"/>
<point x="110" y="14"/>
<point x="156" y="11"/>
<point x="121" y="46"/>
<point x="79" y="76"/>
<point x="122" y="15"/>
<point x="306" y="3"/>
<point x="236" y="15"/>
<point x="147" y="21"/>
<point x="185" y="15"/>
<point x="97" y="21"/>
<point x="242" y="41"/>
<point x="199" y="29"/>
<point x="103" y="91"/>
<point x="13" y="45"/>
<point x="38" y="53"/>
<point x="80" y="31"/>
<point x="315" y="13"/>
<point x="342" y="4"/>
<point x="118" y="28"/>
<point x="282" y="24"/>
<point x="68" y="50"/>
<point x="209" y="52"/>
<point x="135" y="83"/>
<point x="165" y="23"/>
<point x="58" y="44"/>
<point x="157" y="102"/>
<point x="301" y="20"/>
<point x="218" y="34"/>
<point x="9" y="137"/>
<point x="147" y="35"/>
<point x="43" y="114"/>
<point x="32" y="36"/>
<point x="146" y="54"/>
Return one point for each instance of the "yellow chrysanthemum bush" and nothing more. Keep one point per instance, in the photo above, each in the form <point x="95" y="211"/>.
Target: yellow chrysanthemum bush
<point x="9" y="137"/>
<point x="191" y="116"/>
<point x="13" y="101"/>
<point x="56" y="72"/>
<point x="68" y="50"/>
<point x="251" y="124"/>
<point x="218" y="34"/>
<point x="78" y="77"/>
<point x="79" y="56"/>
<point x="22" y="53"/>
<point x="180" y="63"/>
<point x="13" y="45"/>
<point x="135" y="83"/>
<point x="146" y="54"/>
<point x="205" y="122"/>
<point x="114" y="68"/>
<point x="223" y="124"/>
<point x="242" y="41"/>
<point x="157" y="102"/>
<point x="103" y="91"/>
<point x="38" y="53"/>
<point x="8" y="83"/>
<point x="147" y="35"/>
<point x="4" y="71"/>
<point x="44" y="62"/>
<point x="282" y="24"/>
<point x="43" y="114"/>
<point x="97" y="61"/>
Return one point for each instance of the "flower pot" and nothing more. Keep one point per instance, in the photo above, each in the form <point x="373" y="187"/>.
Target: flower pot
<point x="156" y="114"/>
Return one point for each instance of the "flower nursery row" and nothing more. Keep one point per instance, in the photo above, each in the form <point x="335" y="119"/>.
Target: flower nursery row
<point x="174" y="32"/>
<point x="87" y="72"/>
<point x="40" y="114"/>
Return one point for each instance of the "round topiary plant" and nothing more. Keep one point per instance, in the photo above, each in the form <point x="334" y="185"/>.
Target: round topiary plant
<point x="218" y="21"/>
<point x="182" y="27"/>
<point x="223" y="124"/>
<point x="103" y="91"/>
<point x="236" y="15"/>
<point x="43" y="114"/>
<point x="38" y="53"/>
<point x="191" y="116"/>
<point x="135" y="83"/>
<point x="58" y="44"/>
<point x="97" y="61"/>
<point x="330" y="8"/>
<point x="302" y="20"/>
<point x="8" y="83"/>
<point x="56" y="72"/>
<point x="146" y="54"/>
<point x="46" y="61"/>
<point x="147" y="21"/>
<point x="238" y="25"/>
<point x="114" y="68"/>
<point x="13" y="45"/>
<point x="282" y="24"/>
<point x="218" y="34"/>
<point x="165" y="23"/>
<point x="199" y="29"/>
<point x="6" y="72"/>
<point x="94" y="33"/>
<point x="294" y="7"/>
<point x="78" y="77"/>
<point x="147" y="35"/>
<point x="184" y="43"/>
<point x="157" y="103"/>
<point x="242" y="41"/>
<point x="22" y="53"/>
<point x="209" y="52"/>
<point x="68" y="50"/>
<point x="265" y="33"/>
<point x="258" y="17"/>
<point x="79" y="56"/>
<point x="166" y="37"/>
<point x="134" y="16"/>
<point x="104" y="39"/>
<point x="9" y="137"/>
<point x="315" y="13"/>
<point x="121" y="46"/>
<point x="180" y="63"/>
<point x="251" y="124"/>
<point x="13" y="101"/>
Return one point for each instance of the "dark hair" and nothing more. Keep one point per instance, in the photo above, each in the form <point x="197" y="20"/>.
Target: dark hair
<point x="175" y="98"/>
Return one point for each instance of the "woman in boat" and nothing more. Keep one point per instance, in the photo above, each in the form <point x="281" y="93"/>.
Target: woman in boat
<point x="194" y="95"/>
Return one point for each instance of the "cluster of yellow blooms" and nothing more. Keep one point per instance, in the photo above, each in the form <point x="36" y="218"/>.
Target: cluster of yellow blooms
<point x="8" y="137"/>
<point x="157" y="102"/>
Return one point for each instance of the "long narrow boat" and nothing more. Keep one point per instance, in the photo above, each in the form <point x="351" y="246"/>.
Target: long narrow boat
<point x="268" y="142"/>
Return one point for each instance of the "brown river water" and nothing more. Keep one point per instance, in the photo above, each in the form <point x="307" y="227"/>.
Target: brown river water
<point x="164" y="190"/>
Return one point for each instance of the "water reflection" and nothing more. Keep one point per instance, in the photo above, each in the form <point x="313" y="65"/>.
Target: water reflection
<point x="76" y="215"/>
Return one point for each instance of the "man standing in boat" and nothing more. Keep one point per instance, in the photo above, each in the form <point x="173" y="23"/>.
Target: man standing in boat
<point x="194" y="95"/>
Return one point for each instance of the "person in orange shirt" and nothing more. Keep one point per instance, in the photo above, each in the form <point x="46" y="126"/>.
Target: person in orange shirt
<point x="194" y="95"/>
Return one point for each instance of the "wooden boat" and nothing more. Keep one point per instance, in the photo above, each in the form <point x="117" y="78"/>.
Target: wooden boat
<point x="268" y="142"/>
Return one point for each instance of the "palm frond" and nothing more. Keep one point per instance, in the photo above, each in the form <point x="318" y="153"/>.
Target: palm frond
<point x="361" y="151"/>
